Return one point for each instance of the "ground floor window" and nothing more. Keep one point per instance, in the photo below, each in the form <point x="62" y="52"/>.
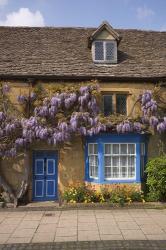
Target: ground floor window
<point x="115" y="158"/>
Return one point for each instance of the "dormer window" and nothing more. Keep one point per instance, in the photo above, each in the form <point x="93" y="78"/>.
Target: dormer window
<point x="104" y="44"/>
<point x="104" y="51"/>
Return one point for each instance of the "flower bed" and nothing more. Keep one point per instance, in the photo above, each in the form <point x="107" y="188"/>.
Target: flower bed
<point x="117" y="194"/>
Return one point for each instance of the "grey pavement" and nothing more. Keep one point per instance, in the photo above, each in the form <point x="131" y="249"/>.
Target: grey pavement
<point x="120" y="225"/>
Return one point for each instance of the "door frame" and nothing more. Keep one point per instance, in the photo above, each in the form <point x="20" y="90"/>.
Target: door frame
<point x="56" y="174"/>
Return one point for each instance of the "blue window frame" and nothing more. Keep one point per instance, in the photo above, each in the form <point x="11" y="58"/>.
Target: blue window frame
<point x="116" y="158"/>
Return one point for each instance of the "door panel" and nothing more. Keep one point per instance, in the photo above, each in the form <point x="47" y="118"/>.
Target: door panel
<point x="39" y="166"/>
<point x="50" y="166"/>
<point x="45" y="175"/>
<point x="39" y="188"/>
<point x="50" y="188"/>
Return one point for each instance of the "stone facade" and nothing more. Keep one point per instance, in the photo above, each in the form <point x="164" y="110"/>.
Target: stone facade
<point x="71" y="157"/>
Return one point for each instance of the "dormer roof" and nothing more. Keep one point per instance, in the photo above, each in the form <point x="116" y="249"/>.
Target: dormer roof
<point x="105" y="26"/>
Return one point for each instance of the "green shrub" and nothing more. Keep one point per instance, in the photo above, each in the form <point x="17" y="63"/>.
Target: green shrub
<point x="156" y="179"/>
<point x="137" y="196"/>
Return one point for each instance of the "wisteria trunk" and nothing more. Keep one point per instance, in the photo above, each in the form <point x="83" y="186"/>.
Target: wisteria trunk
<point x="8" y="189"/>
<point x="25" y="180"/>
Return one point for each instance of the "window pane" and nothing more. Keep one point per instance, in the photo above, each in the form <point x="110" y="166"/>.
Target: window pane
<point x="110" y="51"/>
<point x="131" y="160"/>
<point x="95" y="148"/>
<point x="108" y="172"/>
<point x="123" y="172"/>
<point x="99" y="51"/>
<point x="123" y="148"/>
<point x="123" y="160"/>
<point x="93" y="172"/>
<point x="115" y="172"/>
<point x="115" y="148"/>
<point x="108" y="106"/>
<point x="92" y="160"/>
<point x="93" y="166"/>
<point x="115" y="161"/>
<point x="107" y="161"/>
<point x="90" y="149"/>
<point x="121" y="104"/>
<point x="107" y="148"/>
<point x="131" y="149"/>
<point x="131" y="172"/>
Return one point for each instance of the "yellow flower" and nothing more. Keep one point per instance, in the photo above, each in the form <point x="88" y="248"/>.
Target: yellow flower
<point x="143" y="201"/>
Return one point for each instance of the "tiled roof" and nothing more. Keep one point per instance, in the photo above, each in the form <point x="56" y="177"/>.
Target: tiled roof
<point x="64" y="53"/>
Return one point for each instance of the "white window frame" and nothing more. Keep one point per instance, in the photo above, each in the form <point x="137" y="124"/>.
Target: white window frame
<point x="104" y="48"/>
<point x="120" y="178"/>
<point x="90" y="176"/>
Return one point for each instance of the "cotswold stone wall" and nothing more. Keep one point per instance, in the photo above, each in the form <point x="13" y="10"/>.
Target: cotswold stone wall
<point x="71" y="158"/>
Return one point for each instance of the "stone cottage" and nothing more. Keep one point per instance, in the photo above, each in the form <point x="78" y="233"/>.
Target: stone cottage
<point x="124" y="61"/>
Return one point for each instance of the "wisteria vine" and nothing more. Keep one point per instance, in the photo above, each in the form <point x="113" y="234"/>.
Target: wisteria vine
<point x="67" y="113"/>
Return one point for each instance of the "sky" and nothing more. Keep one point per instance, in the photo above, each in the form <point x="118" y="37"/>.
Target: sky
<point x="132" y="14"/>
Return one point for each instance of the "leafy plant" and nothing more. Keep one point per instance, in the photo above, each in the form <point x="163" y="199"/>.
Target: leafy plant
<point x="156" y="179"/>
<point x="120" y="194"/>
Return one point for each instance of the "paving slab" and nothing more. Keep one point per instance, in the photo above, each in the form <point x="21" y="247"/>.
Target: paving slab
<point x="43" y="237"/>
<point x="23" y="233"/>
<point x="88" y="235"/>
<point x="106" y="222"/>
<point x="133" y="235"/>
<point x="67" y="223"/>
<point x="45" y="228"/>
<point x="109" y="230"/>
<point x="4" y="238"/>
<point x="149" y="229"/>
<point x="28" y="224"/>
<point x="86" y="219"/>
<point x="156" y="237"/>
<point x="65" y="239"/>
<point x="16" y="215"/>
<point x="49" y="220"/>
<point x="87" y="226"/>
<point x="19" y="240"/>
<point x="11" y="221"/>
<point x="65" y="232"/>
<point x="7" y="229"/>
<point x="111" y="237"/>
<point x="127" y="225"/>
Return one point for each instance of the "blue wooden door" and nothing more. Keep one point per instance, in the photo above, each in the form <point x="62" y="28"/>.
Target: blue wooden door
<point x="45" y="175"/>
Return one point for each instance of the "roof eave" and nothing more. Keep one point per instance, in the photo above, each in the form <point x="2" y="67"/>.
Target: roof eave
<point x="152" y="79"/>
